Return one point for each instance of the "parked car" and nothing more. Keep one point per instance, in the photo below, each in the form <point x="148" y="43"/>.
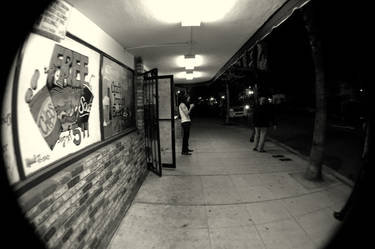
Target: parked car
<point x="237" y="111"/>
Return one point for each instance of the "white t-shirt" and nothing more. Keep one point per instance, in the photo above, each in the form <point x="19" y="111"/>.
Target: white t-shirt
<point x="184" y="113"/>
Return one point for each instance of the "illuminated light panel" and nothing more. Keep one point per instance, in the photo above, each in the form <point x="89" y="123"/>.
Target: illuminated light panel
<point x="180" y="61"/>
<point x="192" y="22"/>
<point x="196" y="74"/>
<point x="189" y="75"/>
<point x="188" y="11"/>
<point x="189" y="62"/>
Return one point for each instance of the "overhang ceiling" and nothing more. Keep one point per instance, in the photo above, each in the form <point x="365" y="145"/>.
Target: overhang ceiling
<point x="162" y="42"/>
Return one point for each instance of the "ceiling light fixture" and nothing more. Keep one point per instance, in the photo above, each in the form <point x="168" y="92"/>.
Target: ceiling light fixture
<point x="189" y="75"/>
<point x="190" y="12"/>
<point x="190" y="61"/>
<point x="190" y="22"/>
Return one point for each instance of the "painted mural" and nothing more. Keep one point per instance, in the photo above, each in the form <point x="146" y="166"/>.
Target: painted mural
<point x="60" y="87"/>
<point x="7" y="143"/>
<point x="117" y="100"/>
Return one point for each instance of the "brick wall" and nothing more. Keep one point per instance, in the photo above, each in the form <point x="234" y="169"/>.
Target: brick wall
<point x="82" y="205"/>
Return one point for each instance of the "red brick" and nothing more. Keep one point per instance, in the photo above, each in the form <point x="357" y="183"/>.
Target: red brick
<point x="77" y="170"/>
<point x="49" y="234"/>
<point x="67" y="235"/>
<point x="74" y="181"/>
<point x="83" y="199"/>
<point x="87" y="187"/>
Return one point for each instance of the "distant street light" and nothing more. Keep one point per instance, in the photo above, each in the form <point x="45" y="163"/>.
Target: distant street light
<point x="223" y="97"/>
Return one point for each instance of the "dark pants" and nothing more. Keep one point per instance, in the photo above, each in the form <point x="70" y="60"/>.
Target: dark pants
<point x="355" y="194"/>
<point x="185" y="138"/>
<point x="251" y="126"/>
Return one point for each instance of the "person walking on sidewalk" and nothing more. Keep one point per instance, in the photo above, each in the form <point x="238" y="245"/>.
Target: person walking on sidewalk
<point x="360" y="183"/>
<point x="263" y="118"/>
<point x="250" y="121"/>
<point x="184" y="112"/>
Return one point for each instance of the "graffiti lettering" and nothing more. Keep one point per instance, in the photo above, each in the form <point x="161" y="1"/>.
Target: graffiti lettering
<point x="115" y="88"/>
<point x="47" y="118"/>
<point x="65" y="139"/>
<point x="36" y="159"/>
<point x="84" y="107"/>
<point x="72" y="68"/>
<point x="77" y="137"/>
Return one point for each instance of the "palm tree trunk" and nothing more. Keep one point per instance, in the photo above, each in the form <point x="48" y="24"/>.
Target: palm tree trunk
<point x="314" y="169"/>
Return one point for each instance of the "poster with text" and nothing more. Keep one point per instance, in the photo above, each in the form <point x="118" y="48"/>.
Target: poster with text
<point x="53" y="22"/>
<point x="57" y="100"/>
<point x="118" y="98"/>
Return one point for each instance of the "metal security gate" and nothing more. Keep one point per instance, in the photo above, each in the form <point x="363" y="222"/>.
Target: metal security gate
<point x="151" y="118"/>
<point x="166" y="121"/>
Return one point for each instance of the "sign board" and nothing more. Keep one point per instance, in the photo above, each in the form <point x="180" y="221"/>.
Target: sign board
<point x="117" y="100"/>
<point x="57" y="100"/>
<point x="53" y="22"/>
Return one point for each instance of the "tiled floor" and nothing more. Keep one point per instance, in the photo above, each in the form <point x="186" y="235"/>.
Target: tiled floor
<point x="227" y="196"/>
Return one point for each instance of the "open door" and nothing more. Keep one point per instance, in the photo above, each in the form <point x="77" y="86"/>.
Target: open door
<point x="151" y="119"/>
<point x="166" y="121"/>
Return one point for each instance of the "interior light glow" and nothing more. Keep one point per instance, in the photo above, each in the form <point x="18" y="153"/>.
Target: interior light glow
<point x="188" y="12"/>
<point x="196" y="74"/>
<point x="180" y="61"/>
<point x="189" y="62"/>
<point x="190" y="22"/>
<point x="189" y="75"/>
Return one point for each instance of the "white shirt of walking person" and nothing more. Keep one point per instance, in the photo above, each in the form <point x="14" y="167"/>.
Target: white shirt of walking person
<point x="184" y="112"/>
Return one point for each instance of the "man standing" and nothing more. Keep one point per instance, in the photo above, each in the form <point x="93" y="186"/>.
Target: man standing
<point x="263" y="119"/>
<point x="185" y="122"/>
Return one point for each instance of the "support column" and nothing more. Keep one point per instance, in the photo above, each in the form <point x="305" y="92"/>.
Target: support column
<point x="139" y="94"/>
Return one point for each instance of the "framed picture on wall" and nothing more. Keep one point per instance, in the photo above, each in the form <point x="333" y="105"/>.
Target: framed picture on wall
<point x="118" y="105"/>
<point x="57" y="100"/>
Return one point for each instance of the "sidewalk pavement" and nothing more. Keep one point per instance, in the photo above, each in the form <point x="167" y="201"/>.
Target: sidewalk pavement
<point x="227" y="196"/>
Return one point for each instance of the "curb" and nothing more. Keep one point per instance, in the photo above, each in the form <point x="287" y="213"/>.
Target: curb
<point x="339" y="176"/>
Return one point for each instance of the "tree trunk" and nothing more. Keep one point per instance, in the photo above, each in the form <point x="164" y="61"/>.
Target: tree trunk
<point x="256" y="94"/>
<point x="228" y="104"/>
<point x="314" y="169"/>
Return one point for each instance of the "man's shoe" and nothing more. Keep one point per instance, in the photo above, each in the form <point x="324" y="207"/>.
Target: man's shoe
<point x="255" y="149"/>
<point x="338" y="216"/>
<point x="251" y="140"/>
<point x="262" y="151"/>
<point x="189" y="150"/>
<point x="185" y="153"/>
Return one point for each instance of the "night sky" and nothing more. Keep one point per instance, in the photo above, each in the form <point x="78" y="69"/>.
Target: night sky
<point x="342" y="30"/>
